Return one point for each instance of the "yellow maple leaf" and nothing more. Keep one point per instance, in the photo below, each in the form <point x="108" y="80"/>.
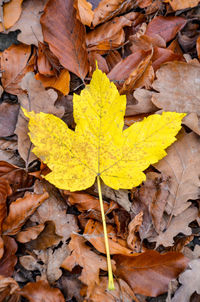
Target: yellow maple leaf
<point x="99" y="147"/>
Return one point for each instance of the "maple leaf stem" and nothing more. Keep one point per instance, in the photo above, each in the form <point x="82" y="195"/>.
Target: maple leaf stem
<point x="110" y="274"/>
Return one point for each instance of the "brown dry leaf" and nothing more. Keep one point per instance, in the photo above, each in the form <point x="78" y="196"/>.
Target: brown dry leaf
<point x="8" y="288"/>
<point x="30" y="263"/>
<point x="178" y="86"/>
<point x="41" y="291"/>
<point x="11" y="13"/>
<point x="5" y="190"/>
<point x="108" y="9"/>
<point x="16" y="61"/>
<point x="86" y="202"/>
<point x="151" y="199"/>
<point x="150" y="272"/>
<point x="29" y="22"/>
<point x="65" y="35"/>
<point x="121" y="220"/>
<point x="133" y="227"/>
<point x="94" y="234"/>
<point x="165" y="27"/>
<point x="46" y="238"/>
<point x="122" y="292"/>
<point x="91" y="263"/>
<point x="71" y="287"/>
<point x="85" y="12"/>
<point x="109" y="35"/>
<point x="113" y="58"/>
<point x="178" y="224"/>
<point x="182" y="166"/>
<point x="142" y="104"/>
<point x="60" y="82"/>
<point x="39" y="100"/>
<point x="190" y="281"/>
<point x="47" y="63"/>
<point x="20" y="210"/>
<point x="192" y="121"/>
<point x="141" y="76"/>
<point x="182" y="4"/>
<point x="123" y="69"/>
<point x="54" y="209"/>
<point x="8" y="112"/>
<point x="16" y="176"/>
<point x="163" y="55"/>
<point x="8" y="261"/>
<point x="30" y="233"/>
<point x="94" y="57"/>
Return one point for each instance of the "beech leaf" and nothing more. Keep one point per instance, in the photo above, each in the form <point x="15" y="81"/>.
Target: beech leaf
<point x="99" y="146"/>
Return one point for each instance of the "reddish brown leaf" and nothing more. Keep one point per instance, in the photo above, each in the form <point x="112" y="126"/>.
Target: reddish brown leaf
<point x="121" y="219"/>
<point x="109" y="35"/>
<point x="47" y="62"/>
<point x="1" y="247"/>
<point x="20" y="210"/>
<point x="166" y="27"/>
<point x="94" y="234"/>
<point x="15" y="63"/>
<point x="85" y="12"/>
<point x="86" y="202"/>
<point x="108" y="9"/>
<point x="5" y="190"/>
<point x="113" y="58"/>
<point x="149" y="273"/>
<point x="94" y="57"/>
<point x="41" y="292"/>
<point x="162" y="55"/>
<point x="133" y="227"/>
<point x="198" y="47"/>
<point x="123" y="69"/>
<point x="65" y="35"/>
<point x="9" y="259"/>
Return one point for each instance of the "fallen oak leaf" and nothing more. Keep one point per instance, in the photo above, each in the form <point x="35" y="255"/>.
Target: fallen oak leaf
<point x="149" y="273"/>
<point x="80" y="253"/>
<point x="99" y="147"/>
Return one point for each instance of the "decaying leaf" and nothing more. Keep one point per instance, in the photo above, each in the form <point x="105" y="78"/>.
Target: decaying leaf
<point x="150" y="272"/>
<point x="181" y="164"/>
<point x="65" y="35"/>
<point x="94" y="234"/>
<point x="178" y="224"/>
<point x="9" y="287"/>
<point x="8" y="112"/>
<point x="9" y="259"/>
<point x="190" y="280"/>
<point x="41" y="291"/>
<point x="5" y="190"/>
<point x="11" y="13"/>
<point x="98" y="146"/>
<point x="80" y="253"/>
<point x="109" y="9"/>
<point x="29" y="22"/>
<point x="20" y="210"/>
<point x="30" y="233"/>
<point x="178" y="86"/>
<point x="15" y="63"/>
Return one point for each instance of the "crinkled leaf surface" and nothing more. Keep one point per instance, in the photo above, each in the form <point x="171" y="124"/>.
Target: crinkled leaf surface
<point x="99" y="146"/>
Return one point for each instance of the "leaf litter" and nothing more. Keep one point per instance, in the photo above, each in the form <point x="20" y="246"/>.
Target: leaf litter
<point x="150" y="50"/>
